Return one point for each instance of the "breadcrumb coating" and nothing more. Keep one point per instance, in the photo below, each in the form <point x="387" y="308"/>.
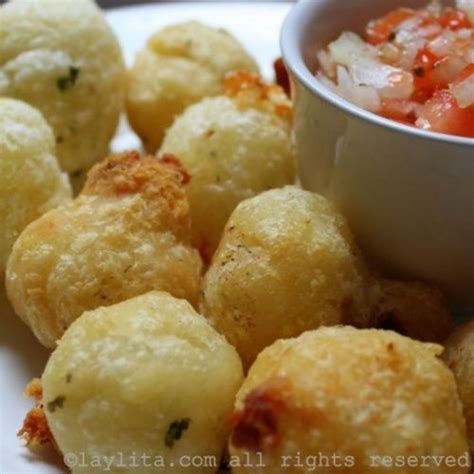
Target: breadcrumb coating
<point x="126" y="234"/>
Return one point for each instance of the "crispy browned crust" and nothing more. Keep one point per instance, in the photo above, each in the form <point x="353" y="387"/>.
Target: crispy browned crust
<point x="281" y="76"/>
<point x="129" y="173"/>
<point x="35" y="430"/>
<point x="159" y="182"/>
<point x="238" y="84"/>
<point x="256" y="426"/>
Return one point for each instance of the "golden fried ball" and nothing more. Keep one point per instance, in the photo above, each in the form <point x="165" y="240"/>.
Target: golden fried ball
<point x="146" y="376"/>
<point x="31" y="182"/>
<point x="234" y="146"/>
<point x="459" y="355"/>
<point x="413" y="309"/>
<point x="348" y="400"/>
<point x="63" y="58"/>
<point x="286" y="263"/>
<point x="126" y="234"/>
<point x="180" y="65"/>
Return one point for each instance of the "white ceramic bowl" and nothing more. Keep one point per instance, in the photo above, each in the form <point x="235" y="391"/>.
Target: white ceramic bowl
<point x="408" y="193"/>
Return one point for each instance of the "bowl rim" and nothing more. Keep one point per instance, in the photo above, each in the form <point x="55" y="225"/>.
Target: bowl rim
<point x="290" y="40"/>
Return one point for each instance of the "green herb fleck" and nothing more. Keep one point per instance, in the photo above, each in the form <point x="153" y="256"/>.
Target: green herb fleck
<point x="68" y="378"/>
<point x="202" y="294"/>
<point x="175" y="431"/>
<point x="66" y="82"/>
<point x="58" y="402"/>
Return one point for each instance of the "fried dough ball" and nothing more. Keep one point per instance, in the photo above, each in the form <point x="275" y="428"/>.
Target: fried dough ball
<point x="234" y="147"/>
<point x="126" y="234"/>
<point x="63" y="58"/>
<point x="286" y="263"/>
<point x="413" y="309"/>
<point x="346" y="400"/>
<point x="459" y="355"/>
<point x="180" y="65"/>
<point x="148" y="376"/>
<point x="31" y="182"/>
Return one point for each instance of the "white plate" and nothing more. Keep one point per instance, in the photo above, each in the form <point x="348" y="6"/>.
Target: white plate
<point x="257" y="26"/>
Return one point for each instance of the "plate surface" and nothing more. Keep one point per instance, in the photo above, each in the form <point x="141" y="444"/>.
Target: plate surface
<point x="257" y="26"/>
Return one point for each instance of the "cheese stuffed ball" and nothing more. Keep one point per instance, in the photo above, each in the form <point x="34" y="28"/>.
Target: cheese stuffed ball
<point x="287" y="263"/>
<point x="31" y="181"/>
<point x="234" y="146"/>
<point x="146" y="377"/>
<point x="180" y="65"/>
<point x="346" y="400"/>
<point x="459" y="355"/>
<point x="126" y="234"/>
<point x="63" y="58"/>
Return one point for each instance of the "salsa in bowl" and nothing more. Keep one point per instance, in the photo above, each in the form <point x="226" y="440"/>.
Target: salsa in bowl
<point x="414" y="66"/>
<point x="407" y="192"/>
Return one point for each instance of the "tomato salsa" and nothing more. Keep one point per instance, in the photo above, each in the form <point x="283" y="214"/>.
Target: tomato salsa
<point x="412" y="66"/>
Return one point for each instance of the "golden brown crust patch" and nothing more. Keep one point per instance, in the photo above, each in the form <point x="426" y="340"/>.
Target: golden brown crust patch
<point x="245" y="87"/>
<point x="255" y="427"/>
<point x="35" y="430"/>
<point x="174" y="163"/>
<point x="129" y="173"/>
<point x="158" y="181"/>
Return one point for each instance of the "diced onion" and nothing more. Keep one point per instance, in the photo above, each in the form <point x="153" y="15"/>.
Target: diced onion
<point x="388" y="53"/>
<point x="464" y="92"/>
<point x="466" y="6"/>
<point x="326" y="82"/>
<point x="390" y="82"/>
<point x="448" y="69"/>
<point x="363" y="96"/>
<point x="435" y="8"/>
<point x="350" y="46"/>
<point x="409" y="53"/>
<point x="327" y="64"/>
<point x="444" y="44"/>
<point x="469" y="55"/>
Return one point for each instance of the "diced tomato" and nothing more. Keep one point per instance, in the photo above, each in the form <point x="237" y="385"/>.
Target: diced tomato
<point x="426" y="83"/>
<point x="400" y="110"/>
<point x="379" y="31"/>
<point x="467" y="71"/>
<point x="454" y="19"/>
<point x="443" y="114"/>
